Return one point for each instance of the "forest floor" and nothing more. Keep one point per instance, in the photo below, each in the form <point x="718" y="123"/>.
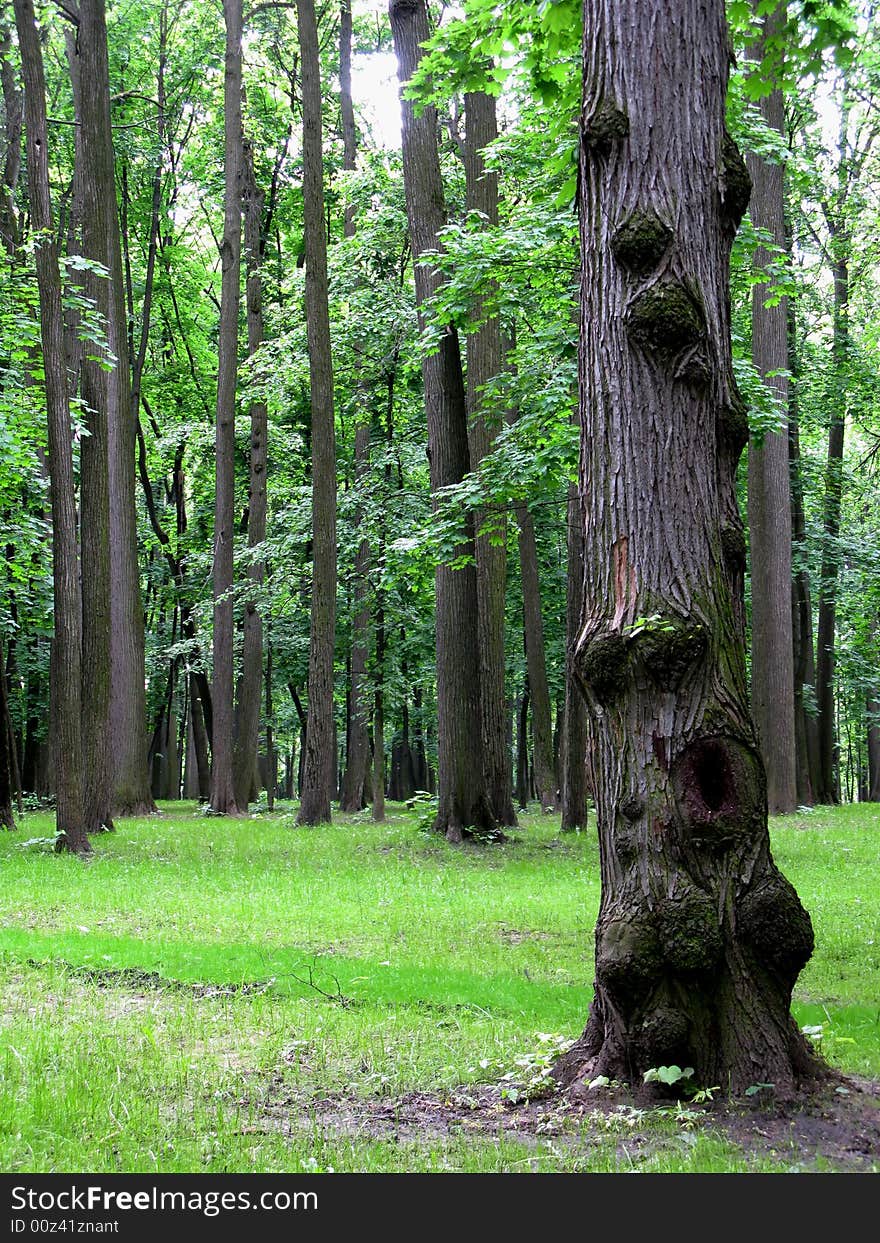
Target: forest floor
<point x="824" y="1131"/>
<point x="245" y="995"/>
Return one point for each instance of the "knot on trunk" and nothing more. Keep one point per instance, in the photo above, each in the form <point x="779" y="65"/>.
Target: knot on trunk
<point x="641" y="242"/>
<point x="719" y="790"/>
<point x="733" y="424"/>
<point x="602" y="664"/>
<point x="733" y="547"/>
<point x="736" y="184"/>
<point x="608" y="124"/>
<point x="661" y="1039"/>
<point x="629" y="961"/>
<point x="669" y="648"/>
<point x="666" y="319"/>
<point x="689" y="931"/>
<point x="695" y="369"/>
<point x="772" y="919"/>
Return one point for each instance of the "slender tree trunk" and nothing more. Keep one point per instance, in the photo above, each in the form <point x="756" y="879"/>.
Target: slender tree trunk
<point x="873" y="713"/>
<point x="66" y="662"/>
<point x="379" y="723"/>
<point x="828" y="790"/>
<point x="13" y="115"/>
<point x="98" y="224"/>
<point x="463" y="797"/>
<point x="223" y="801"/>
<point x="484" y="361"/>
<point x="522" y="748"/>
<point x="533" y="631"/>
<point x="700" y="938"/>
<point x="574" y="725"/>
<point x="271" y="754"/>
<point x="250" y="692"/>
<point x="357" y="759"/>
<point x="7" y="820"/>
<point x="806" y="725"/>
<point x="319" y="771"/>
<point x="772" y="689"/>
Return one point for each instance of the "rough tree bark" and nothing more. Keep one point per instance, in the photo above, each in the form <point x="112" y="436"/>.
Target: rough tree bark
<point x="805" y="723"/>
<point x="98" y="224"/>
<point x="484" y="360"/>
<point x="536" y="661"/>
<point x="7" y="743"/>
<point x="699" y="938"/>
<point x="769" y="503"/>
<point x="320" y="758"/>
<point x="66" y="672"/>
<point x="223" y="800"/>
<point x="356" y="779"/>
<point x="250" y="689"/>
<point x="574" y="725"/>
<point x="872" y="708"/>
<point x="828" y="790"/>
<point x="462" y="792"/>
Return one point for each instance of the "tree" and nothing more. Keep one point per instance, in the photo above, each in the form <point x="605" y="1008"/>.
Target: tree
<point x="7" y="743"/>
<point x="700" y="938"/>
<point x="223" y="801"/>
<point x="98" y="225"/>
<point x="66" y="665"/>
<point x="772" y="684"/>
<point x="462" y="794"/>
<point x="574" y="727"/>
<point x="245" y="776"/>
<point x="484" y="360"/>
<point x="353" y="796"/>
<point x="320" y="747"/>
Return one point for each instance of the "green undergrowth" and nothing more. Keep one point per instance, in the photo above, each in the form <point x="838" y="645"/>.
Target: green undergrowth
<point x="207" y="994"/>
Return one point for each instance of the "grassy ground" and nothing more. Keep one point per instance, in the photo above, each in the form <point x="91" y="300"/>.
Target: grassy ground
<point x="248" y="995"/>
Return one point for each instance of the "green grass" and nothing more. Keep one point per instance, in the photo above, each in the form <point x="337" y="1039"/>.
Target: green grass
<point x="246" y="995"/>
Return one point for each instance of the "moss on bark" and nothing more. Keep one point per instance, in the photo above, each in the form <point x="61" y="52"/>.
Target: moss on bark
<point x="666" y="319"/>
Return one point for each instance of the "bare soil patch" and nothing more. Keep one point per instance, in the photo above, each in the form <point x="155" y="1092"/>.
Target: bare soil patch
<point x="825" y="1130"/>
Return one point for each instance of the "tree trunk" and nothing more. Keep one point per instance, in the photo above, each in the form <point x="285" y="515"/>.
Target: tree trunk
<point x="533" y="632"/>
<point x="319" y="770"/>
<point x="574" y="724"/>
<point x="484" y="361"/>
<point x="873" y="714"/>
<point x="357" y="758"/>
<point x="66" y="660"/>
<point x="250" y="693"/>
<point x="806" y="725"/>
<point x="463" y="798"/>
<point x="828" y="790"/>
<point x="700" y="938"/>
<point x="7" y="820"/>
<point x="379" y="721"/>
<point x="99" y="223"/>
<point x="772" y="689"/>
<point x="223" y="801"/>
<point x="522" y="748"/>
<point x="128" y="714"/>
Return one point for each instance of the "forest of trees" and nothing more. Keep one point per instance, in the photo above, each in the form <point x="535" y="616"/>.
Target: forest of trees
<point x="531" y="459"/>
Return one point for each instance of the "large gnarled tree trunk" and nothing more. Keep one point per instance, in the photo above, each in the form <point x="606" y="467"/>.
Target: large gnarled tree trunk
<point x="700" y="938"/>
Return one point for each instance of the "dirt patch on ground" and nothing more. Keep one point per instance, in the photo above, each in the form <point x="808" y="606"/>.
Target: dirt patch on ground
<point x="827" y="1130"/>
